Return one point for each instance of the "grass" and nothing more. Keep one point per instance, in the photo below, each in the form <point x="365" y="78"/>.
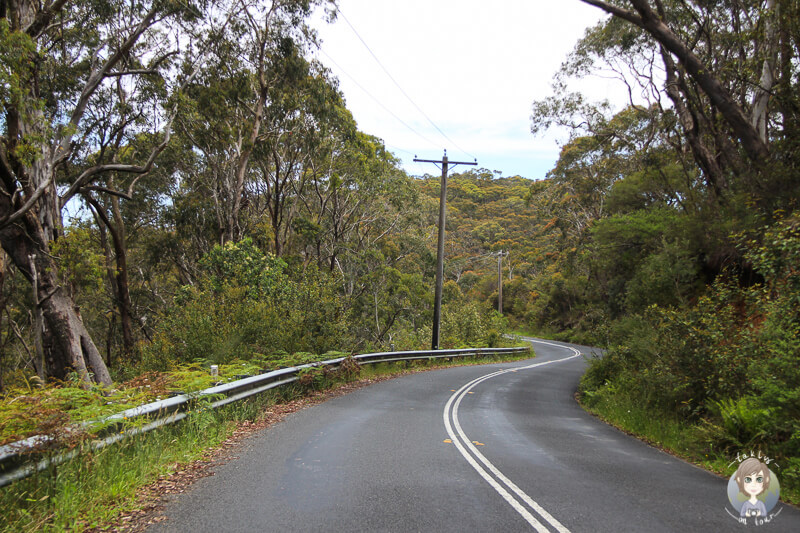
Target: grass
<point x="665" y="431"/>
<point x="95" y="488"/>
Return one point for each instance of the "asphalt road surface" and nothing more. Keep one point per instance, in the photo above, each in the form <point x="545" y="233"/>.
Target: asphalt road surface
<point x="500" y="447"/>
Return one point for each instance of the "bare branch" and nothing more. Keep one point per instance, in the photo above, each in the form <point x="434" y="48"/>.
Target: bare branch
<point x="131" y="73"/>
<point x="106" y="190"/>
<point x="91" y="173"/>
<point x="616" y="11"/>
<point x="98" y="75"/>
<point x="733" y="114"/>
<point x="13" y="217"/>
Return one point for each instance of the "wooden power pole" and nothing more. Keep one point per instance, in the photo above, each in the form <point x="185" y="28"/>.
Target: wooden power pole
<point x="437" y="305"/>
<point x="500" y="256"/>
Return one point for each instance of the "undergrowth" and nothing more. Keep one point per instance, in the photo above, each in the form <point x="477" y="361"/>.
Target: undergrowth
<point x="724" y="370"/>
<point x="31" y="408"/>
<point x="94" y="488"/>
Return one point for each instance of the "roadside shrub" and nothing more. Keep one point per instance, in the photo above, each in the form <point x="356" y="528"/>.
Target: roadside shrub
<point x="247" y="304"/>
<point x="313" y="377"/>
<point x="470" y="324"/>
<point x="730" y="363"/>
<point x="349" y="368"/>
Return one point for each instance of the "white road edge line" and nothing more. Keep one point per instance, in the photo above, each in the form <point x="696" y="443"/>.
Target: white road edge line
<point x="458" y="436"/>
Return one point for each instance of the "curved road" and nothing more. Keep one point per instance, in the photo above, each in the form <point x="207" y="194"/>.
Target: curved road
<point x="501" y="447"/>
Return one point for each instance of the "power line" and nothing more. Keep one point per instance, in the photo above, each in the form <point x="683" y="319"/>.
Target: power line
<point x="397" y="148"/>
<point x="401" y="121"/>
<point x="463" y="260"/>
<point x="340" y="12"/>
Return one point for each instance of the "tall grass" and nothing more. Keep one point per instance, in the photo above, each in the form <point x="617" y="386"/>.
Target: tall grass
<point x="95" y="486"/>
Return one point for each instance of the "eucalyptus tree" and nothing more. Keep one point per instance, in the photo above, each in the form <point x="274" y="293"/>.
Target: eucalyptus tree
<point x="723" y="73"/>
<point x="80" y="81"/>
<point x="305" y="117"/>
<point x="253" y="139"/>
<point x="123" y="222"/>
<point x="232" y="110"/>
<point x="351" y="179"/>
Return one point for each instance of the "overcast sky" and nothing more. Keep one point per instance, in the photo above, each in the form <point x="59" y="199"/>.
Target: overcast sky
<point x="474" y="67"/>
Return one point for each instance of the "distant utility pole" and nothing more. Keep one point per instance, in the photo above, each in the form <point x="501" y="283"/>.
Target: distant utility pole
<point x="437" y="306"/>
<point x="500" y="256"/>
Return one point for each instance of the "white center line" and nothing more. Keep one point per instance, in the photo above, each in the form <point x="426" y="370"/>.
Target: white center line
<point x="465" y="446"/>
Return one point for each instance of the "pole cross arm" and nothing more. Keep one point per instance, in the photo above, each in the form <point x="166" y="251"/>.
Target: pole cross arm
<point x="445" y="161"/>
<point x="448" y="162"/>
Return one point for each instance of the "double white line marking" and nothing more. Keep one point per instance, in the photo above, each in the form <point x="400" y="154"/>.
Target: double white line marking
<point x="518" y="500"/>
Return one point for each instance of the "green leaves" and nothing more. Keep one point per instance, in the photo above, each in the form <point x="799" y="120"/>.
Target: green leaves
<point x="246" y="304"/>
<point x="775" y="254"/>
<point x="80" y="265"/>
<point x="243" y="265"/>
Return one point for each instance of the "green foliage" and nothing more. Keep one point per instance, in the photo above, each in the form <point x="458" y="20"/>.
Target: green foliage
<point x="247" y="304"/>
<point x="241" y="264"/>
<point x="743" y="424"/>
<point x="17" y="53"/>
<point x="94" y="488"/>
<point x="313" y="377"/>
<point x="325" y="240"/>
<point x="329" y="245"/>
<point x="666" y="278"/>
<point x="80" y="265"/>
<point x="727" y="364"/>
<point x="470" y="324"/>
<point x="48" y="410"/>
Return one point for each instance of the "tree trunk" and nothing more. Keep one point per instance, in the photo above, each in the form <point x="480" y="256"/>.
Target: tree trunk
<point x="786" y="94"/>
<point x="118" y="277"/>
<point x="123" y="286"/>
<point x="715" y="178"/>
<point x="731" y="111"/>
<point x="759" y="118"/>
<point x="67" y="345"/>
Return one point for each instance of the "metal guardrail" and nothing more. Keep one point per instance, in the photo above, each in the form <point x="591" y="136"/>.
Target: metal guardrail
<point x="19" y="459"/>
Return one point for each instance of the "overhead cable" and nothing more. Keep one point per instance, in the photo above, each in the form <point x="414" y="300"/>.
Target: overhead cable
<point x="339" y="11"/>
<point x="343" y="71"/>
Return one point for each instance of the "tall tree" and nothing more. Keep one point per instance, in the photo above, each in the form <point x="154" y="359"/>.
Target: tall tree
<point x="723" y="64"/>
<point x="257" y="63"/>
<point x="78" y="81"/>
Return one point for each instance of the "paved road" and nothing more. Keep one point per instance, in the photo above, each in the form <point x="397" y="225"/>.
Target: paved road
<point x="500" y="447"/>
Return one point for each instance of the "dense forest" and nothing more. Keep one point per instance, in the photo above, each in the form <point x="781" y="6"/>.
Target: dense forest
<point x="185" y="184"/>
<point x="182" y="182"/>
<point x="674" y="220"/>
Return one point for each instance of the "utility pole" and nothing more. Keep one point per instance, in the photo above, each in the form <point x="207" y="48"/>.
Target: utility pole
<point x="437" y="305"/>
<point x="500" y="282"/>
<point x="500" y="256"/>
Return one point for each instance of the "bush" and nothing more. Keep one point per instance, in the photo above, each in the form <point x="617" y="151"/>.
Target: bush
<point x="730" y="364"/>
<point x="247" y="304"/>
<point x="468" y="324"/>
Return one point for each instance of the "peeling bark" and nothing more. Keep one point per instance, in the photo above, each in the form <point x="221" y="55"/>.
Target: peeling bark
<point x="758" y="115"/>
